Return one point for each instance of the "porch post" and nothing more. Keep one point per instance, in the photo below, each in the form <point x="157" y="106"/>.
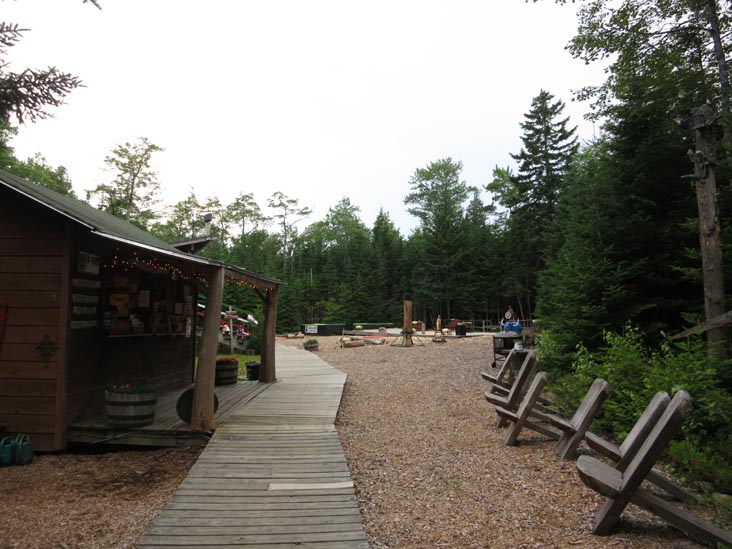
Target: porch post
<point x="202" y="414"/>
<point x="268" y="373"/>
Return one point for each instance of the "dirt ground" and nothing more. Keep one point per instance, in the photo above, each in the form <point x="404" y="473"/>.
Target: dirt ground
<point x="429" y="467"/>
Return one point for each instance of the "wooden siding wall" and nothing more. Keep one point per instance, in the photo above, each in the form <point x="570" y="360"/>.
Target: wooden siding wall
<point x="32" y="272"/>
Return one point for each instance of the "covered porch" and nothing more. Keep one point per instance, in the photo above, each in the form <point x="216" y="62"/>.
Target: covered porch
<point x="167" y="429"/>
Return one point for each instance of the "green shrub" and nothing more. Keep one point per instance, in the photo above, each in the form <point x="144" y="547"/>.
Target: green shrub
<point x="635" y="374"/>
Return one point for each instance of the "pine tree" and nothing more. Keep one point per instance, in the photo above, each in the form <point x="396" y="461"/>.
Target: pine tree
<point x="531" y="195"/>
<point x="438" y="197"/>
<point x="548" y="147"/>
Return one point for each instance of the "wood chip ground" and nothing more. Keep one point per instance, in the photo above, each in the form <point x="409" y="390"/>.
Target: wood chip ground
<point x="430" y="469"/>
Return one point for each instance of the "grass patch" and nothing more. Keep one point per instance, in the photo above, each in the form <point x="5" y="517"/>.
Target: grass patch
<point x="243" y="359"/>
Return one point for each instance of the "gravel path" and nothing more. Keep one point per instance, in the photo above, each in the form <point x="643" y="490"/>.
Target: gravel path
<point x="429" y="467"/>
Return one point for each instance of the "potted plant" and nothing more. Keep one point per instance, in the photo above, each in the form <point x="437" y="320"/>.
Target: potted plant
<point x="227" y="370"/>
<point x="130" y="405"/>
<point x="311" y="345"/>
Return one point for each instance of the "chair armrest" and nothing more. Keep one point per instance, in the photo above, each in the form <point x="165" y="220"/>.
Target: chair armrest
<point x="600" y="476"/>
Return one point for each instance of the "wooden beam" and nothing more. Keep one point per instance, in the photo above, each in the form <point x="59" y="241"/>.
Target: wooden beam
<point x="250" y="278"/>
<point x="202" y="414"/>
<point x="716" y="322"/>
<point x="261" y="294"/>
<point x="267" y="372"/>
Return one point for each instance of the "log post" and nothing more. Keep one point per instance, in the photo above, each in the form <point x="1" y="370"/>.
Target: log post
<point x="407" y="329"/>
<point x="202" y="413"/>
<point x="704" y="158"/>
<point x="268" y="372"/>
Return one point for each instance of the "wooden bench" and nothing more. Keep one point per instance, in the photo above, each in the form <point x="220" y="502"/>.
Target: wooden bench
<point x="622" y="455"/>
<point x="622" y="487"/>
<point x="572" y="430"/>
<point x="512" y="399"/>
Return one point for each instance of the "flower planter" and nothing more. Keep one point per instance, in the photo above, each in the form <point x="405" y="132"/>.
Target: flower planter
<point x="130" y="409"/>
<point x="310" y="346"/>
<point x="227" y="371"/>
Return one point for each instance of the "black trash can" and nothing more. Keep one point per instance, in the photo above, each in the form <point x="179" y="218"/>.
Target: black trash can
<point x="253" y="370"/>
<point x="461" y="330"/>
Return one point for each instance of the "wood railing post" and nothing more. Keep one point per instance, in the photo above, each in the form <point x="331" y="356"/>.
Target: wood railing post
<point x="268" y="373"/>
<point x="202" y="414"/>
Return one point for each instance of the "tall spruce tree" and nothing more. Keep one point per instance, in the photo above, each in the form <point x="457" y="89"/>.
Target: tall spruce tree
<point x="438" y="197"/>
<point x="548" y="147"/>
<point x="531" y="194"/>
<point x="386" y="285"/>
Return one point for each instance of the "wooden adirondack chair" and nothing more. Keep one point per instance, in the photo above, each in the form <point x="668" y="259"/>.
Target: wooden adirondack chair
<point x="622" y="455"/>
<point x="572" y="431"/>
<point x="511" y="400"/>
<point x="622" y="487"/>
<point x="506" y="373"/>
<point x="520" y="418"/>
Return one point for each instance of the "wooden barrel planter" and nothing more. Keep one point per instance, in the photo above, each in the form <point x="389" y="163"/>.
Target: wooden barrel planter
<point x="130" y="409"/>
<point x="227" y="371"/>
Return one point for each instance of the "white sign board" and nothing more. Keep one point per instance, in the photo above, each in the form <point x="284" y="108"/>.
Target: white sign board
<point x="311" y="329"/>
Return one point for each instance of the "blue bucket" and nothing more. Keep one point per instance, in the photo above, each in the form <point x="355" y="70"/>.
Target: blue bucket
<point x="513" y="327"/>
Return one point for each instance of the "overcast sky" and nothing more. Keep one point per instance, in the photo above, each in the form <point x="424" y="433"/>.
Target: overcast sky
<point x="317" y="99"/>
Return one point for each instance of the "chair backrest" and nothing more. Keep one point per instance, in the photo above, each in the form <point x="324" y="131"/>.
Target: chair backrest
<point x="642" y="427"/>
<point x="596" y="395"/>
<point x="656" y="441"/>
<point x="522" y="378"/>
<point x="507" y="364"/>
<point x="537" y="386"/>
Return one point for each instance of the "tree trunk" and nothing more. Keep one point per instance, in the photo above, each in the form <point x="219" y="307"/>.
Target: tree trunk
<point x="702" y="122"/>
<point x="724" y="85"/>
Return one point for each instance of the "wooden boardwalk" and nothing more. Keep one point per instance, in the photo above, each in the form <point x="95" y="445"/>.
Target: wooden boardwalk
<point x="274" y="474"/>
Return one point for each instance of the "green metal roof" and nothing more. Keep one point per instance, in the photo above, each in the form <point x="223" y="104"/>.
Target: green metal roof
<point x="97" y="220"/>
<point x="109" y="226"/>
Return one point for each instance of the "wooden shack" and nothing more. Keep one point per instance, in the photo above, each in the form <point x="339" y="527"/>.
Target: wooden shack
<point x="88" y="300"/>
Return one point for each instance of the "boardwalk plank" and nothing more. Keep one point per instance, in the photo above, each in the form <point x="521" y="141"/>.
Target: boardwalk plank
<point x="353" y="518"/>
<point x="242" y="515"/>
<point x="356" y="544"/>
<point x="323" y="527"/>
<point x="244" y="540"/>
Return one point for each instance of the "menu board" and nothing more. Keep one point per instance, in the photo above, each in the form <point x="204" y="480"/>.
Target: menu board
<point x="85" y="300"/>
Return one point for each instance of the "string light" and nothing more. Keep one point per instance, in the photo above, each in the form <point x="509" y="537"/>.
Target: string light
<point x="239" y="282"/>
<point x="125" y="262"/>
